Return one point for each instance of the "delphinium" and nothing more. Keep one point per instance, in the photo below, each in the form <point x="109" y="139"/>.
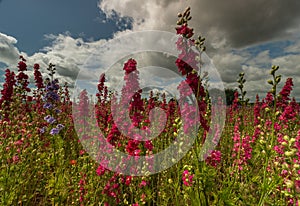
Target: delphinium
<point x="101" y="109"/>
<point x="189" y="64"/>
<point x="38" y="92"/>
<point x="271" y="148"/>
<point x="21" y="91"/>
<point x="51" y="132"/>
<point x="17" y="136"/>
<point x="131" y="115"/>
<point x="51" y="102"/>
<point x="7" y="94"/>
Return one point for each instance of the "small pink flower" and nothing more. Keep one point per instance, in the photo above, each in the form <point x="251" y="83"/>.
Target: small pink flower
<point x="128" y="180"/>
<point x="81" y="152"/>
<point x="100" y="170"/>
<point x="18" y="143"/>
<point x="143" y="196"/>
<point x="149" y="145"/>
<point x="143" y="183"/>
<point x="137" y="152"/>
<point x="16" y="159"/>
<point x="187" y="178"/>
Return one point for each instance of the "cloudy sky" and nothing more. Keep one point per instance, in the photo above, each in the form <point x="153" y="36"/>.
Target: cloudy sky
<point x="241" y="36"/>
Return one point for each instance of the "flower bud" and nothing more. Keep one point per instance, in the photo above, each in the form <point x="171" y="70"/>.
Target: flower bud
<point x="292" y="140"/>
<point x="270" y="82"/>
<point x="285" y="166"/>
<point x="289" y="183"/>
<point x="272" y="91"/>
<point x="278" y="78"/>
<point x="289" y="153"/>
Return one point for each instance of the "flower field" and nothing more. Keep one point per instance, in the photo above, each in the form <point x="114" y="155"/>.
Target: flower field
<point x="44" y="137"/>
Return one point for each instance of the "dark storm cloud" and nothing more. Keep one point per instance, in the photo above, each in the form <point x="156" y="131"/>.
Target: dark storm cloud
<point x="239" y="22"/>
<point x="248" y="22"/>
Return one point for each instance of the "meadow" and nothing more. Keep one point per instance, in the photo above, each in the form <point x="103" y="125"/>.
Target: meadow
<point x="256" y="161"/>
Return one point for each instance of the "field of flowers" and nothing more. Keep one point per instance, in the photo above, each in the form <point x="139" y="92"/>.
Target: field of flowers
<point x="255" y="162"/>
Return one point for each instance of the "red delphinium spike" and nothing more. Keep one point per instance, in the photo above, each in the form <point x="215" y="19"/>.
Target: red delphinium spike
<point x="101" y="170"/>
<point x="193" y="86"/>
<point x="279" y="148"/>
<point x="101" y="107"/>
<point x="187" y="178"/>
<point x="8" y="88"/>
<point x="296" y="105"/>
<point x="136" y="104"/>
<point x="22" y="79"/>
<point x="22" y="66"/>
<point x="186" y="61"/>
<point x="83" y="107"/>
<point x="214" y="158"/>
<point x="189" y="117"/>
<point x="38" y="77"/>
<point x="82" y="190"/>
<point x="102" y="90"/>
<point x="290" y="112"/>
<point x="112" y="189"/>
<point x="130" y="66"/>
<point x="242" y="148"/>
<point x="256" y="134"/>
<point x="235" y="104"/>
<point x="132" y="147"/>
<point x="113" y="135"/>
<point x="188" y="65"/>
<point x="185" y="31"/>
<point x="172" y="110"/>
<point x="150" y="102"/>
<point x="183" y="67"/>
<point x="194" y="81"/>
<point x="285" y="93"/>
<point x="268" y="101"/>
